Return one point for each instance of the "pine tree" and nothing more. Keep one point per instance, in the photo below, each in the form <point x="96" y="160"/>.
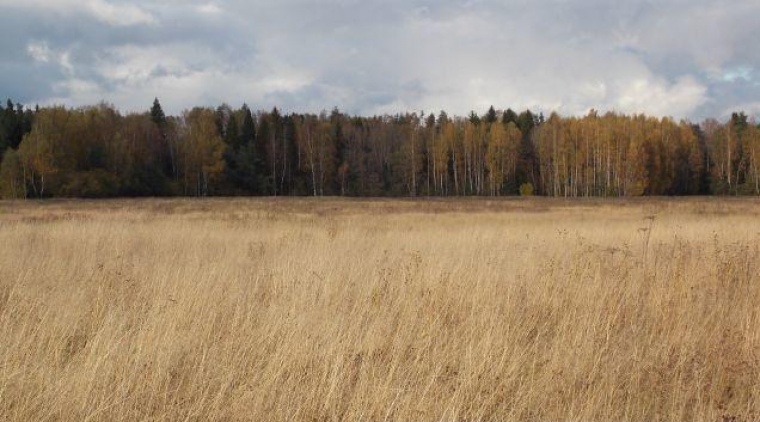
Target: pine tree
<point x="508" y="117"/>
<point x="157" y="114"/>
<point x="248" y="130"/>
<point x="528" y="164"/>
<point x="491" y="116"/>
<point x="15" y="122"/>
<point x="241" y="158"/>
<point x="232" y="133"/>
<point x="4" y="142"/>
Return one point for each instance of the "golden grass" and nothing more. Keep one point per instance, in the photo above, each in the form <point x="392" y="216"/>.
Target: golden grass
<point x="380" y="310"/>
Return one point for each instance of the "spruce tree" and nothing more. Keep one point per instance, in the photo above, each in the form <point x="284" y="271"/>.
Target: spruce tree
<point x="248" y="130"/>
<point x="491" y="116"/>
<point x="157" y="114"/>
<point x="508" y="117"/>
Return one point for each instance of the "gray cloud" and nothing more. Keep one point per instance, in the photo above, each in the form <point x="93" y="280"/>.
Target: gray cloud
<point x="690" y="59"/>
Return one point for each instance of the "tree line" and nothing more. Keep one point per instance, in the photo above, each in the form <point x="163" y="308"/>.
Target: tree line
<point x="98" y="152"/>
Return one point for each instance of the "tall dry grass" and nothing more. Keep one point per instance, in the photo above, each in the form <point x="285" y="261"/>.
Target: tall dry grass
<point x="380" y="310"/>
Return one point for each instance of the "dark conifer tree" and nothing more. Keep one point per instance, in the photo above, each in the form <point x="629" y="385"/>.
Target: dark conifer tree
<point x="248" y="129"/>
<point x="527" y="165"/>
<point x="157" y="114"/>
<point x="491" y="116"/>
<point x="263" y="143"/>
<point x="508" y="117"/>
<point x="242" y="162"/>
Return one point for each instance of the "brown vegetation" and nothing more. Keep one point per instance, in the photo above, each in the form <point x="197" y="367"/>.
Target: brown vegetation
<point x="380" y="310"/>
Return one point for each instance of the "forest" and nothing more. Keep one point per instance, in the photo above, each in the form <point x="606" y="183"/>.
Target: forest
<point x="97" y="151"/>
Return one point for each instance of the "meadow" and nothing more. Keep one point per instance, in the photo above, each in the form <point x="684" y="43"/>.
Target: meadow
<point x="380" y="310"/>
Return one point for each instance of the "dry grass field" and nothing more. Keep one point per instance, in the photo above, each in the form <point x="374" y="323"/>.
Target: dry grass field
<point x="330" y="310"/>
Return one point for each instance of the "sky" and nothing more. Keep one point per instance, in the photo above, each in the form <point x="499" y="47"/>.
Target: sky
<point x="688" y="59"/>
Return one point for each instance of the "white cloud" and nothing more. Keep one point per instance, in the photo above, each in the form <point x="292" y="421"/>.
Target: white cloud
<point x="39" y="51"/>
<point x="391" y="56"/>
<point x="64" y="59"/>
<point x="209" y="9"/>
<point x="289" y="83"/>
<point x="134" y="65"/>
<point x="114" y="14"/>
<point x="737" y="73"/>
<point x="659" y="98"/>
<point x="182" y="75"/>
<point x="70" y="91"/>
<point x="468" y="61"/>
<point x="119" y="15"/>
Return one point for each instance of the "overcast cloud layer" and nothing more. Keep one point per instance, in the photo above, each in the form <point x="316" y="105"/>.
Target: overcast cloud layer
<point x="683" y="58"/>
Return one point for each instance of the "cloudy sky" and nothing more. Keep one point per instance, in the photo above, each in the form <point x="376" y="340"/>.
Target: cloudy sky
<point x="681" y="58"/>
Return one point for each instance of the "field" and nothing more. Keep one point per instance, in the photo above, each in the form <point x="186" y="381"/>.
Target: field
<point x="328" y="310"/>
